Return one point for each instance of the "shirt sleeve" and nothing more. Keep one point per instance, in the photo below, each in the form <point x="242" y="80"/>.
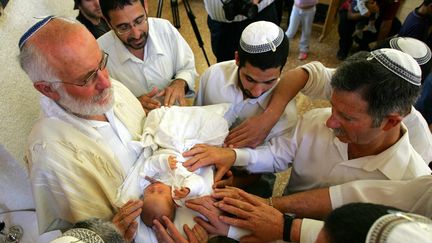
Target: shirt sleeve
<point x="310" y="229"/>
<point x="411" y="195"/>
<point x="318" y="85"/>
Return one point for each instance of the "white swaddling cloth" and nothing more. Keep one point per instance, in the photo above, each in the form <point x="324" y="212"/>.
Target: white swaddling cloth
<point x="172" y="131"/>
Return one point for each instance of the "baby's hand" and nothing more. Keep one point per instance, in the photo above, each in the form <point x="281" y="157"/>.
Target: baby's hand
<point x="179" y="194"/>
<point x="172" y="162"/>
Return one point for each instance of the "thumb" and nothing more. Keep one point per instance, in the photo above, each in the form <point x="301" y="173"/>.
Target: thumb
<point x="153" y="92"/>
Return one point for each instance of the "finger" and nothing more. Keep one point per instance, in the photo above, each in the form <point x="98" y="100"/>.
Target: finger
<point x="240" y="210"/>
<point x="172" y="229"/>
<point x="161" y="233"/>
<point x="182" y="101"/>
<point x="220" y="172"/>
<point x="190" y="234"/>
<point x="131" y="230"/>
<point x="168" y="97"/>
<point x="200" y="232"/>
<point x="250" y="198"/>
<point x="152" y="93"/>
<point x="221" y="184"/>
<point x="193" y="151"/>
<point x="206" y="225"/>
<point x="239" y="222"/>
<point x="250" y="239"/>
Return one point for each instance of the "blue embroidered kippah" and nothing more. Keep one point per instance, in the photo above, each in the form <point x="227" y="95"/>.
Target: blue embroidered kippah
<point x="33" y="30"/>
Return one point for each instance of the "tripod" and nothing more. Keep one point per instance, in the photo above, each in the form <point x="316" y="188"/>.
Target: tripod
<point x="176" y="21"/>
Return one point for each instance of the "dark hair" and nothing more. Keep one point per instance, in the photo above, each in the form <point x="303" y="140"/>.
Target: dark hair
<point x="384" y="91"/>
<point x="268" y="59"/>
<point x="351" y="222"/>
<point x="427" y="2"/>
<point x="109" y="5"/>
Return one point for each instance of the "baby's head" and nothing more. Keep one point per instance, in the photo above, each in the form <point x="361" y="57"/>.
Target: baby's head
<point x="157" y="202"/>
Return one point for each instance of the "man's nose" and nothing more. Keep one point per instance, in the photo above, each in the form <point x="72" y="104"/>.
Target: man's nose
<point x="103" y="81"/>
<point x="332" y="122"/>
<point x="257" y="90"/>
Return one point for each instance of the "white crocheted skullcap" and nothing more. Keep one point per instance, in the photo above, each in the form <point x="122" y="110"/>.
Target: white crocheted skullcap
<point x="261" y="36"/>
<point x="415" y="48"/>
<point x="79" y="235"/>
<point x="399" y="63"/>
<point x="400" y="227"/>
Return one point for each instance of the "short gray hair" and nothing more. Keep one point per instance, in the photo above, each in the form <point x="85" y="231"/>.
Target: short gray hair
<point x="34" y="63"/>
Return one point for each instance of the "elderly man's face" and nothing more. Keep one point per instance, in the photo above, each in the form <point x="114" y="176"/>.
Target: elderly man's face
<point x="75" y="64"/>
<point x="130" y="25"/>
<point x="254" y="82"/>
<point x="91" y="8"/>
<point x="349" y="119"/>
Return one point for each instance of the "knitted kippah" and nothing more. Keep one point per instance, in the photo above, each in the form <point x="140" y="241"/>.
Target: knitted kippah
<point x="80" y="235"/>
<point x="400" y="227"/>
<point x="399" y="63"/>
<point x="415" y="48"/>
<point x="261" y="36"/>
<point x="29" y="33"/>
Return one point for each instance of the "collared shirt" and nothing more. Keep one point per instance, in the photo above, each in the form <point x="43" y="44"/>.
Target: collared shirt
<point x="215" y="10"/>
<point x="96" y="30"/>
<point x="319" y="159"/>
<point x="219" y="84"/>
<point x="318" y="86"/>
<point x="167" y="57"/>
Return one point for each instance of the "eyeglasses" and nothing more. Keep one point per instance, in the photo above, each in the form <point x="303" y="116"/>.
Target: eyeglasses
<point x="93" y="75"/>
<point x="127" y="28"/>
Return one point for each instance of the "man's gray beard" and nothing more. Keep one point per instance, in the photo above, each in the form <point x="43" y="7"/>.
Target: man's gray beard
<point x="84" y="108"/>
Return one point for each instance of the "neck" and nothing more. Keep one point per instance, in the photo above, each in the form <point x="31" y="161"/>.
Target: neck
<point x="377" y="146"/>
<point x="93" y="20"/>
<point x="138" y="53"/>
<point x="422" y="10"/>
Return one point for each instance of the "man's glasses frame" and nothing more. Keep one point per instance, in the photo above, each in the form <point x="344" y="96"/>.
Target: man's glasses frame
<point x="92" y="76"/>
<point x="127" y="28"/>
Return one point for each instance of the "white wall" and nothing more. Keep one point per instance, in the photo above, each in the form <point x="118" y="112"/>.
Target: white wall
<point x="19" y="105"/>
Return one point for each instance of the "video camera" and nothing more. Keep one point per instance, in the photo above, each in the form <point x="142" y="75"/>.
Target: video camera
<point x="233" y="8"/>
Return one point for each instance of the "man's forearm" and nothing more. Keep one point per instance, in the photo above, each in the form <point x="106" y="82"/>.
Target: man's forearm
<point x="309" y="204"/>
<point x="288" y="87"/>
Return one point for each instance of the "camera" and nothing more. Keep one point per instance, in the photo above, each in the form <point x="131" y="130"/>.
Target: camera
<point x="233" y="8"/>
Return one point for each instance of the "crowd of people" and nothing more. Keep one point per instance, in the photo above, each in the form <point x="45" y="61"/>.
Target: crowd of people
<point x="117" y="157"/>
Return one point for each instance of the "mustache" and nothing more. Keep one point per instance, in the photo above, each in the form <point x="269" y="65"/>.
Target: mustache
<point x="338" y="131"/>
<point x="105" y="92"/>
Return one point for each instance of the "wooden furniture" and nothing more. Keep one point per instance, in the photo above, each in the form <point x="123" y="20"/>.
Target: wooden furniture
<point x="330" y="17"/>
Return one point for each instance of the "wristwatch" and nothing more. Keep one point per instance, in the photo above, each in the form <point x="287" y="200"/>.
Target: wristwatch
<point x="288" y="219"/>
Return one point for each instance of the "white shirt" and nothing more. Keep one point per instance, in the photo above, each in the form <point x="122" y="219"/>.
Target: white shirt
<point x="167" y="57"/>
<point x="318" y="86"/>
<point x="411" y="195"/>
<point x="215" y="10"/>
<point x="219" y="84"/>
<point x="319" y="159"/>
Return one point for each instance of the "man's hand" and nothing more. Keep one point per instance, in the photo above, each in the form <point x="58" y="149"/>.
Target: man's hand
<point x="170" y="234"/>
<point x="227" y="180"/>
<point x="182" y="193"/>
<point x="175" y="92"/>
<point x="250" y="133"/>
<point x="234" y="193"/>
<point x="264" y="221"/>
<point x="124" y="219"/>
<point x="205" y="206"/>
<point x="203" y="155"/>
<point x="148" y="102"/>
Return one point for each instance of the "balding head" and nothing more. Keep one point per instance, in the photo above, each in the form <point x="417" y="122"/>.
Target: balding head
<point x="54" y="47"/>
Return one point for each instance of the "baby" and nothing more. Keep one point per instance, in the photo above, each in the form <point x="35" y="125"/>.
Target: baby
<point x="159" y="174"/>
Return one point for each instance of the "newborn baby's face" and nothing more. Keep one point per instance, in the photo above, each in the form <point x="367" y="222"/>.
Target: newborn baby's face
<point x="158" y="189"/>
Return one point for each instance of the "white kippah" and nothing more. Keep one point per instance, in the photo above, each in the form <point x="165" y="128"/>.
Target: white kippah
<point x="400" y="227"/>
<point x="415" y="48"/>
<point x="261" y="36"/>
<point x="399" y="63"/>
<point x="80" y="235"/>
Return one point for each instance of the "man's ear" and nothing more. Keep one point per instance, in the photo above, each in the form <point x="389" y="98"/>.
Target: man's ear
<point x="391" y="121"/>
<point x="46" y="89"/>
<point x="236" y="57"/>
